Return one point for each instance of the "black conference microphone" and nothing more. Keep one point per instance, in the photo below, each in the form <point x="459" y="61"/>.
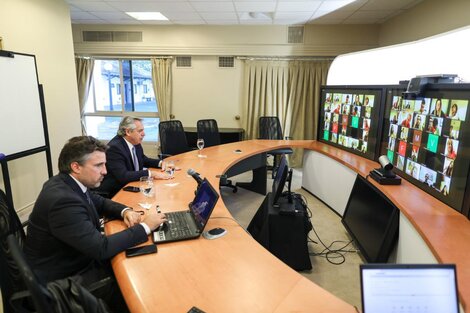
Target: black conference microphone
<point x="195" y="175"/>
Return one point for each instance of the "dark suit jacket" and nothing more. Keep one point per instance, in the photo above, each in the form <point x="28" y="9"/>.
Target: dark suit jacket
<point x="120" y="166"/>
<point x="64" y="235"/>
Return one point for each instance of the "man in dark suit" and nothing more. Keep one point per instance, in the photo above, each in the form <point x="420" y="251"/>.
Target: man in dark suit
<point x="126" y="161"/>
<point x="64" y="237"/>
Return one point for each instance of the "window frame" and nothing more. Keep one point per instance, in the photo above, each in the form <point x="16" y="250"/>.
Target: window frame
<point x="121" y="113"/>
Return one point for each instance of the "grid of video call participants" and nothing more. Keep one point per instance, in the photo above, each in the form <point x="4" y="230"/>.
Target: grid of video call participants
<point x="347" y="119"/>
<point x="423" y="139"/>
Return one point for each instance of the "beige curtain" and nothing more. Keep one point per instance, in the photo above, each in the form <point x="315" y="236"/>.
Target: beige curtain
<point x="287" y="89"/>
<point x="305" y="78"/>
<point x="265" y="93"/>
<point x="84" y="68"/>
<point x="162" y="86"/>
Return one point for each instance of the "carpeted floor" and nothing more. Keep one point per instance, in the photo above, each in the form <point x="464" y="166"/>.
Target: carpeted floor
<point x="337" y="273"/>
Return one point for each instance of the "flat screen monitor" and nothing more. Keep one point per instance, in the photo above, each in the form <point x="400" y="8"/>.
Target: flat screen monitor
<point x="279" y="180"/>
<point x="427" y="140"/>
<point x="430" y="288"/>
<point x="371" y="220"/>
<point x="350" y="118"/>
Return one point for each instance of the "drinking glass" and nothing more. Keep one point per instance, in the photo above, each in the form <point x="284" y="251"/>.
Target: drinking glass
<point x="169" y="167"/>
<point x="146" y="188"/>
<point x="200" y="146"/>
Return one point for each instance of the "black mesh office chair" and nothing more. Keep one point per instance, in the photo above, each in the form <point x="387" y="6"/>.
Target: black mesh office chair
<point x="172" y="138"/>
<point x="10" y="279"/>
<point x="209" y="131"/>
<point x="270" y="128"/>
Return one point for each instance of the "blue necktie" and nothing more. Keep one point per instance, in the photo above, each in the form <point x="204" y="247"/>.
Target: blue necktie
<point x="134" y="157"/>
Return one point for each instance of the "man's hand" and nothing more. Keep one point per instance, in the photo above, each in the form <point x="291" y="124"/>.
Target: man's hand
<point x="132" y="218"/>
<point x="157" y="175"/>
<point x="154" y="219"/>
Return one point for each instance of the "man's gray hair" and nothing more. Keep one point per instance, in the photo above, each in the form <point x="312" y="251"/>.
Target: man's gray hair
<point x="127" y="122"/>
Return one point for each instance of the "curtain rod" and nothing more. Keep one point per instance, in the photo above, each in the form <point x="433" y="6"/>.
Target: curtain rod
<point x="99" y="56"/>
<point x="286" y="58"/>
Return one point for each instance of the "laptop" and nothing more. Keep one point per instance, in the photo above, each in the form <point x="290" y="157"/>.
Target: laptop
<point x="184" y="225"/>
<point x="410" y="288"/>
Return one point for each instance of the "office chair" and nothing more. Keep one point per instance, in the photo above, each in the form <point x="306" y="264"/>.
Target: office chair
<point x="40" y="296"/>
<point x="172" y="138"/>
<point x="209" y="131"/>
<point x="270" y="128"/>
<point x="10" y="225"/>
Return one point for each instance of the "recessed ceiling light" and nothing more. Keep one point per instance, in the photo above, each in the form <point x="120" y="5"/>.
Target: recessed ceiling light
<point x="148" y="16"/>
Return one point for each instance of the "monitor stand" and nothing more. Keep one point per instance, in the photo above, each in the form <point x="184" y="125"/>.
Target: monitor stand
<point x="286" y="206"/>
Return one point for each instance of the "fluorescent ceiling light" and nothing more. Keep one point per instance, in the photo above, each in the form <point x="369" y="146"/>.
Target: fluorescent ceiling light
<point x="148" y="16"/>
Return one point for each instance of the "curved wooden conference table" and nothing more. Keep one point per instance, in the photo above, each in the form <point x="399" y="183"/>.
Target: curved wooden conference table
<point x="236" y="274"/>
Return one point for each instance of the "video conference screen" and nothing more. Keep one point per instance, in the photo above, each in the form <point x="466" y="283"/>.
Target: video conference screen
<point x="349" y="119"/>
<point x="427" y="140"/>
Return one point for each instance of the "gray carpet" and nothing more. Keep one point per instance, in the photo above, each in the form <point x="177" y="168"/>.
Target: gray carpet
<point x="341" y="280"/>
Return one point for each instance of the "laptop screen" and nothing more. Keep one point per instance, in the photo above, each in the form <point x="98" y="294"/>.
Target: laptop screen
<point x="430" y="288"/>
<point x="203" y="203"/>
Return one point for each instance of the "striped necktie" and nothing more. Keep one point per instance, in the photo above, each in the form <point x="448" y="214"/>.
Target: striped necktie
<point x="134" y="159"/>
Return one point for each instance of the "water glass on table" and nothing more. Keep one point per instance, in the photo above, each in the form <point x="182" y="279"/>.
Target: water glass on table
<point x="200" y="146"/>
<point x="146" y="186"/>
<point x="169" y="167"/>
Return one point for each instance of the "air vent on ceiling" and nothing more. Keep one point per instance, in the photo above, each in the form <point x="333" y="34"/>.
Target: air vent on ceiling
<point x="109" y="36"/>
<point x="295" y="34"/>
<point x="226" y="62"/>
<point x="183" y="61"/>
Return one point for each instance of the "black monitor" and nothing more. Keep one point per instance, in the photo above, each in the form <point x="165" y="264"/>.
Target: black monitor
<point x="427" y="139"/>
<point x="372" y="221"/>
<point x="350" y="118"/>
<point x="280" y="180"/>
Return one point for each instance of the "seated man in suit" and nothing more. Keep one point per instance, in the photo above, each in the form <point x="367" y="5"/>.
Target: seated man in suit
<point x="64" y="237"/>
<point x="126" y="159"/>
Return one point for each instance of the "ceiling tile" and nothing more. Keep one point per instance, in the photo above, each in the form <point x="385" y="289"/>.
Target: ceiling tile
<point x="137" y="6"/>
<point x="82" y="16"/>
<point x="298" y="6"/>
<point x="113" y="16"/>
<point x="93" y="6"/>
<point x="255" y="6"/>
<point x="213" y="6"/>
<point x="219" y="16"/>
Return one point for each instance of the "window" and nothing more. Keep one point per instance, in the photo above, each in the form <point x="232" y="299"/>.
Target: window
<point x="107" y="102"/>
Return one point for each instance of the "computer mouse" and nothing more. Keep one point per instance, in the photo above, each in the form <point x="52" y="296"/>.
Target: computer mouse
<point x="214" y="233"/>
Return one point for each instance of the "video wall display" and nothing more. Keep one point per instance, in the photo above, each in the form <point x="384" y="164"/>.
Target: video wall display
<point x="349" y="119"/>
<point x="427" y="140"/>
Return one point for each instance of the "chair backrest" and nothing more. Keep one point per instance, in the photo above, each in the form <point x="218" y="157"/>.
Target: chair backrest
<point x="270" y="128"/>
<point x="208" y="130"/>
<point x="38" y="293"/>
<point x="172" y="138"/>
<point x="10" y="225"/>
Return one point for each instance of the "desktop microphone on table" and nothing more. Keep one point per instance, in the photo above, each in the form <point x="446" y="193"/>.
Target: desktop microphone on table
<point x="195" y="175"/>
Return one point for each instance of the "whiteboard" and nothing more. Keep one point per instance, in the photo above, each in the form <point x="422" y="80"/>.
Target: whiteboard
<point x="20" y="107"/>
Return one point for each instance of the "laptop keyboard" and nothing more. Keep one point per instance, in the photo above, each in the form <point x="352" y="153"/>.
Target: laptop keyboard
<point x="177" y="227"/>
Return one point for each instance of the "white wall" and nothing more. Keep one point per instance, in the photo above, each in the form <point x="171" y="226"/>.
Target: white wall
<point x="323" y="177"/>
<point x="428" y="18"/>
<point x="42" y="28"/>
<point x="445" y="53"/>
<point x="217" y="97"/>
